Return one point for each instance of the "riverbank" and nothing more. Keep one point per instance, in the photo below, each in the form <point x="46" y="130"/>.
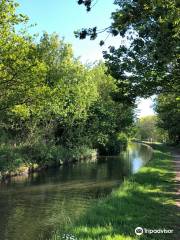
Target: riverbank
<point x="17" y="160"/>
<point x="145" y="200"/>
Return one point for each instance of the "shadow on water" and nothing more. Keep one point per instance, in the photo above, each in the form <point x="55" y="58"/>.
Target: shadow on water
<point x="36" y="205"/>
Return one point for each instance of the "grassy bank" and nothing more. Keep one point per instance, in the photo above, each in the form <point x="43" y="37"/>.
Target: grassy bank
<point x="21" y="158"/>
<point x="145" y="200"/>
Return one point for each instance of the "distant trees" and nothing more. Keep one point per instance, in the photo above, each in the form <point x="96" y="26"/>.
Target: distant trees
<point x="146" y="129"/>
<point x="168" y="109"/>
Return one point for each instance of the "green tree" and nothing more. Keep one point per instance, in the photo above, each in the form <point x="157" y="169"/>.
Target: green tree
<point x="150" y="57"/>
<point x="21" y="72"/>
<point x="147" y="129"/>
<point x="107" y="118"/>
<point x="52" y="106"/>
<point x="168" y="110"/>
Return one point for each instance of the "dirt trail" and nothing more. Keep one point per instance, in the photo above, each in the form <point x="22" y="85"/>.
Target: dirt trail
<point x="176" y="160"/>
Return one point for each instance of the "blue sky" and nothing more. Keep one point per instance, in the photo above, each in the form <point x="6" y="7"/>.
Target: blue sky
<point x="66" y="16"/>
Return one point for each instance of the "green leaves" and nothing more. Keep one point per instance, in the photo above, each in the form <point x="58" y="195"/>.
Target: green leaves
<point x="21" y="71"/>
<point x="148" y="59"/>
<point x="168" y="109"/>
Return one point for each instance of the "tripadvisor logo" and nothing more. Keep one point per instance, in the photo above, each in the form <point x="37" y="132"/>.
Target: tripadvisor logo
<point x="139" y="231"/>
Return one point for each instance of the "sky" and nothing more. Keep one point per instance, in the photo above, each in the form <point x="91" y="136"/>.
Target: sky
<point x="145" y="107"/>
<point x="66" y="16"/>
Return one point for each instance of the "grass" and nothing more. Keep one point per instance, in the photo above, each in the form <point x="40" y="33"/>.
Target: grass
<point x="145" y="200"/>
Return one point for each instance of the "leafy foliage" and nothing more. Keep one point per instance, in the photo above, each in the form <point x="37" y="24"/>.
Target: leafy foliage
<point x="168" y="109"/>
<point x="147" y="63"/>
<point x="21" y="72"/>
<point x="50" y="102"/>
<point x="147" y="129"/>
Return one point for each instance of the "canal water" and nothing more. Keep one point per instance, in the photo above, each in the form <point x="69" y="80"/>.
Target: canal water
<point x="33" y="207"/>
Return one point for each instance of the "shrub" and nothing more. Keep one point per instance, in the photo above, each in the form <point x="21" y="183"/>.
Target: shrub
<point x="113" y="145"/>
<point x="10" y="158"/>
<point x="122" y="138"/>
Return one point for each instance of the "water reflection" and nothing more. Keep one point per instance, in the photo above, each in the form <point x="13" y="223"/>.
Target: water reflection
<point x="35" y="205"/>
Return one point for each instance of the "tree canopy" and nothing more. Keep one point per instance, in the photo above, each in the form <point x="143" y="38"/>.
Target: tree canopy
<point x="52" y="106"/>
<point x="148" y="61"/>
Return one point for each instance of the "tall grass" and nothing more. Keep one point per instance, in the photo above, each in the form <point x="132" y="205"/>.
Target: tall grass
<point x="16" y="158"/>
